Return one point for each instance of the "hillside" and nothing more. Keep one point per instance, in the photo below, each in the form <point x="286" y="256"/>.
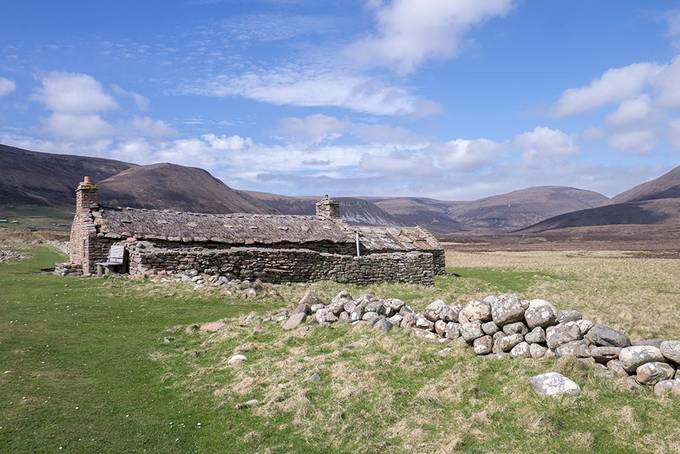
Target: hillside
<point x="518" y="209"/>
<point x="666" y="186"/>
<point x="43" y="179"/>
<point x="429" y="213"/>
<point x="654" y="203"/>
<point x="353" y="210"/>
<point x="175" y="187"/>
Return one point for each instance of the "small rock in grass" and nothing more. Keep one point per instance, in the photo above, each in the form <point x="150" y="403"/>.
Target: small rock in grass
<point x="554" y="384"/>
<point x="653" y="373"/>
<point x="247" y="404"/>
<point x="315" y="377"/>
<point x="236" y="360"/>
<point x="192" y="328"/>
<point x="295" y="320"/>
<point x="212" y="327"/>
<point x="444" y="351"/>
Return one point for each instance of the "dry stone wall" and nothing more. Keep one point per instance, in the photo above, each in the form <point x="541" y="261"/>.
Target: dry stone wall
<point x="284" y="265"/>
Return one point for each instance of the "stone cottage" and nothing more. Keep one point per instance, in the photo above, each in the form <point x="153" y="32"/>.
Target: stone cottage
<point x="273" y="248"/>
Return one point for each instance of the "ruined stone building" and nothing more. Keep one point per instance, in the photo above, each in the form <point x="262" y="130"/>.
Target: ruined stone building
<point x="273" y="248"/>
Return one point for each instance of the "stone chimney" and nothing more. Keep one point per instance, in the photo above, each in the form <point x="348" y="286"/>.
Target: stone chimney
<point x="327" y="208"/>
<point x="86" y="195"/>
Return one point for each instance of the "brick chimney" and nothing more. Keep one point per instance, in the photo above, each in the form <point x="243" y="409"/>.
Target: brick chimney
<point x="327" y="208"/>
<point x="86" y="195"/>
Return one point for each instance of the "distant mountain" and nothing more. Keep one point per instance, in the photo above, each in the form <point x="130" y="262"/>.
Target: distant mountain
<point x="33" y="178"/>
<point x="654" y="203"/>
<point x="518" y="209"/>
<point x="666" y="186"/>
<point x="430" y="213"/>
<point x="354" y="210"/>
<point x="175" y="187"/>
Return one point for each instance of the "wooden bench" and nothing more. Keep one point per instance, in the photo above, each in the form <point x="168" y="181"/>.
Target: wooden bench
<point x="115" y="262"/>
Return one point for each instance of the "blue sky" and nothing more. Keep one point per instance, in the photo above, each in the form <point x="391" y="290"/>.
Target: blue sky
<point x="453" y="99"/>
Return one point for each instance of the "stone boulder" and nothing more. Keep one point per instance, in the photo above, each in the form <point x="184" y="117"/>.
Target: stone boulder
<point x="653" y="373"/>
<point x="568" y="316"/>
<point x="471" y="331"/>
<point x="309" y="299"/>
<point x="617" y="368"/>
<point x="605" y="354"/>
<point x="476" y="311"/>
<point x="435" y="310"/>
<point x="515" y="328"/>
<point x="490" y="328"/>
<point x="295" y="320"/>
<point x="562" y="333"/>
<point x="505" y="309"/>
<point x="521" y="350"/>
<point x="325" y="317"/>
<point x="424" y="323"/>
<point x="540" y="313"/>
<point x="537" y="351"/>
<point x="535" y="336"/>
<point x="671" y="351"/>
<point x="664" y="387"/>
<point x="452" y="330"/>
<point x="482" y="345"/>
<point x="554" y="384"/>
<point x="603" y="336"/>
<point x="507" y="343"/>
<point x="633" y="357"/>
<point x="577" y="348"/>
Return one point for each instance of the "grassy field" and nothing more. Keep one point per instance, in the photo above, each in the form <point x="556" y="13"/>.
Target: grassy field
<point x="84" y="367"/>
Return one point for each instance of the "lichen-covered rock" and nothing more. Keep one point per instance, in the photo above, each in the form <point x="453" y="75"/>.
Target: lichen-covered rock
<point x="482" y="345"/>
<point x="440" y="327"/>
<point x="490" y="328"/>
<point x="653" y="373"/>
<point x="535" y="336"/>
<point x="370" y="316"/>
<point x="604" y="336"/>
<point x="584" y="326"/>
<point x="664" y="387"/>
<point x="617" y="367"/>
<point x="356" y="314"/>
<point x="476" y="311"/>
<point x="315" y="307"/>
<point x="396" y="319"/>
<point x="236" y="360"/>
<point x="344" y="317"/>
<point x="671" y="351"/>
<point x="540" y="313"/>
<point x="452" y="330"/>
<point x="507" y="343"/>
<point x="423" y="323"/>
<point x="409" y="319"/>
<point x="561" y="334"/>
<point x="471" y="331"/>
<point x="394" y="304"/>
<point x="537" y="351"/>
<point x="515" y="328"/>
<point x="325" y="317"/>
<point x="577" y="348"/>
<point x="375" y="306"/>
<point x="521" y="350"/>
<point x="653" y="342"/>
<point x="497" y="348"/>
<point x="554" y="384"/>
<point x="382" y="324"/>
<point x="568" y="316"/>
<point x="633" y="357"/>
<point x="604" y="354"/>
<point x="505" y="309"/>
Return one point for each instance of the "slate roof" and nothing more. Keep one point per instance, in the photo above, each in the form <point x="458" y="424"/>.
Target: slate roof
<point x="253" y="229"/>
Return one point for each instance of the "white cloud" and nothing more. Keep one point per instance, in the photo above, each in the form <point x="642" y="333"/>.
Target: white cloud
<point x="667" y="85"/>
<point x="410" y="32"/>
<point x="6" y="86"/>
<point x="317" y="127"/>
<point x="78" y="126"/>
<point x="638" y="141"/>
<point x="141" y="101"/>
<point x="223" y="142"/>
<point x="615" y="85"/>
<point x="631" y="111"/>
<point x="544" y="142"/>
<point x="463" y="154"/>
<point x="74" y="93"/>
<point x="673" y="22"/>
<point x="310" y="87"/>
<point x="147" y="126"/>
<point x="674" y="130"/>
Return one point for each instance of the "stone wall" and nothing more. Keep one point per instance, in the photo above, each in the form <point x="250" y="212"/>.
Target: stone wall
<point x="285" y="265"/>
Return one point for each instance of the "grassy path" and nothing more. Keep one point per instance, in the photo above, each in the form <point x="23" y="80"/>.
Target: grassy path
<point x="75" y="370"/>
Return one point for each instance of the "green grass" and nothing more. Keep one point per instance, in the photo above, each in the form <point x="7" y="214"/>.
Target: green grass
<point x="35" y="217"/>
<point x="83" y="366"/>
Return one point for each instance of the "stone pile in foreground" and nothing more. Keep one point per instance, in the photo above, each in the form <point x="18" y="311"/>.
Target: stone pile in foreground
<point x="505" y="326"/>
<point x="7" y="254"/>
